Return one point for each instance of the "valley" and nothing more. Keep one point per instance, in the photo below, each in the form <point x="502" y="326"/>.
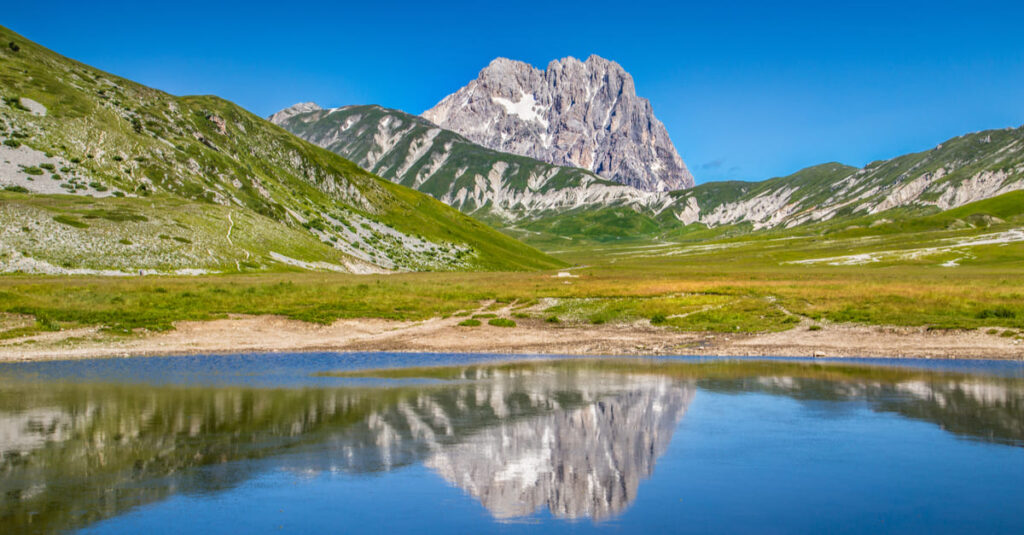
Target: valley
<point x="940" y="290"/>
<point x="409" y="267"/>
<point x="137" y="222"/>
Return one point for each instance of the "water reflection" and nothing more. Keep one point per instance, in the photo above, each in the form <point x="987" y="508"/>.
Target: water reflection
<point x="574" y="437"/>
<point x="577" y="462"/>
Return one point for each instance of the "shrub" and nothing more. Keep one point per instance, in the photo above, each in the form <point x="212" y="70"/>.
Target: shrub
<point x="48" y="166"/>
<point x="814" y="328"/>
<point x="13" y="143"/>
<point x="115" y="215"/>
<point x="46" y="323"/>
<point x="552" y="319"/>
<point x="32" y="170"/>
<point x="658" y="319"/>
<point x="16" y="189"/>
<point x="13" y="46"/>
<point x="1001" y="312"/>
<point x="70" y="221"/>
<point x="179" y="239"/>
<point x="124" y="241"/>
<point x="15" y="103"/>
<point x="469" y="323"/>
<point x="501" y="322"/>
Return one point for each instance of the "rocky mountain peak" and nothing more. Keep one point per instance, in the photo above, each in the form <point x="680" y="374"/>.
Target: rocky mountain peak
<point x="293" y="110"/>
<point x="574" y="113"/>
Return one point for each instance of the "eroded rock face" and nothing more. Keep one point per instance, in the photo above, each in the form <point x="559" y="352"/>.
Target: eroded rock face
<point x="574" y="113"/>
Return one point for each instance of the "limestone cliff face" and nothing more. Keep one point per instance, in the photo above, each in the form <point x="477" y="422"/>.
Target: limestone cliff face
<point x="577" y="113"/>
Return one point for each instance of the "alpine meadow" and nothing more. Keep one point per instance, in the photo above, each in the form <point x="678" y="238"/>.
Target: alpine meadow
<point x="658" y="267"/>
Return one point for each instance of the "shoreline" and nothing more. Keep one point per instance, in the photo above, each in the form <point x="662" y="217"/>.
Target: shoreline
<point x="273" y="334"/>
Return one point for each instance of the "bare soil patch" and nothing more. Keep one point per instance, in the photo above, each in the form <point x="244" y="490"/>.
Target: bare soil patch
<point x="530" y="336"/>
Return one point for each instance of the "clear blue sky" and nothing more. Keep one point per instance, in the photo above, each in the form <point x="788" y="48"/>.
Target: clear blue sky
<point x="747" y="90"/>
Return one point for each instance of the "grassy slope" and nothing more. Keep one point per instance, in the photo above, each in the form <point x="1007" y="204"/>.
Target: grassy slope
<point x="138" y="141"/>
<point x="745" y="284"/>
<point x="349" y="132"/>
<point x="444" y="162"/>
<point x="991" y="153"/>
<point x="162" y="232"/>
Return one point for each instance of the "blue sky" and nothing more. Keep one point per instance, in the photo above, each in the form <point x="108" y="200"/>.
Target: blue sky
<point x="746" y="90"/>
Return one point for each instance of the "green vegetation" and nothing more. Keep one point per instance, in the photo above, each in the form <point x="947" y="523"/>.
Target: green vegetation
<point x="204" y="186"/>
<point x="469" y="323"/>
<point x="70" y="221"/>
<point x="209" y="154"/>
<point x="501" y="322"/>
<point x="851" y="193"/>
<point x="744" y="284"/>
<point x="460" y="160"/>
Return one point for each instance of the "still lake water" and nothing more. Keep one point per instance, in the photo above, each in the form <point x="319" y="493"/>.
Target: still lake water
<point x="262" y="444"/>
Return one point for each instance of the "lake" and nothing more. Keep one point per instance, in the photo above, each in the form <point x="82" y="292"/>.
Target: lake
<point x="382" y="443"/>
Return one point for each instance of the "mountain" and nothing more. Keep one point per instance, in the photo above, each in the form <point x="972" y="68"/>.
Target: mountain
<point x="496" y="186"/>
<point x="528" y="197"/>
<point x="575" y="113"/>
<point x="959" y="171"/>
<point x="103" y="175"/>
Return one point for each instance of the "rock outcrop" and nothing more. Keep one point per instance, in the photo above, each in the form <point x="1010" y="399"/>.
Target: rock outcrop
<point x="576" y="113"/>
<point x="292" y="111"/>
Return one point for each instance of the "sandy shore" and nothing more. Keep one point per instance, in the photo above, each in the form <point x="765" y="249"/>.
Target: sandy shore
<point x="533" y="336"/>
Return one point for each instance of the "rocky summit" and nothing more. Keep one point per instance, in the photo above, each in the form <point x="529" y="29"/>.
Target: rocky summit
<point x="575" y="113"/>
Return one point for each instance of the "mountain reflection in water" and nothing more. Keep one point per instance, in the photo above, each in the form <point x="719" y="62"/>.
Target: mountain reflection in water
<point x="575" y="437"/>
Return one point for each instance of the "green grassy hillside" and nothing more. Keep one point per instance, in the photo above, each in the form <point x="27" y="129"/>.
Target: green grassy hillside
<point x="70" y="130"/>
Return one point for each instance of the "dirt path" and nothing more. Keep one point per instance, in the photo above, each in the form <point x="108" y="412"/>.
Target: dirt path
<point x="275" y="334"/>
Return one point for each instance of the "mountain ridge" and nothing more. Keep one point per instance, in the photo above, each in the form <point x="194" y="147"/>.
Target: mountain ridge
<point x="490" y="188"/>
